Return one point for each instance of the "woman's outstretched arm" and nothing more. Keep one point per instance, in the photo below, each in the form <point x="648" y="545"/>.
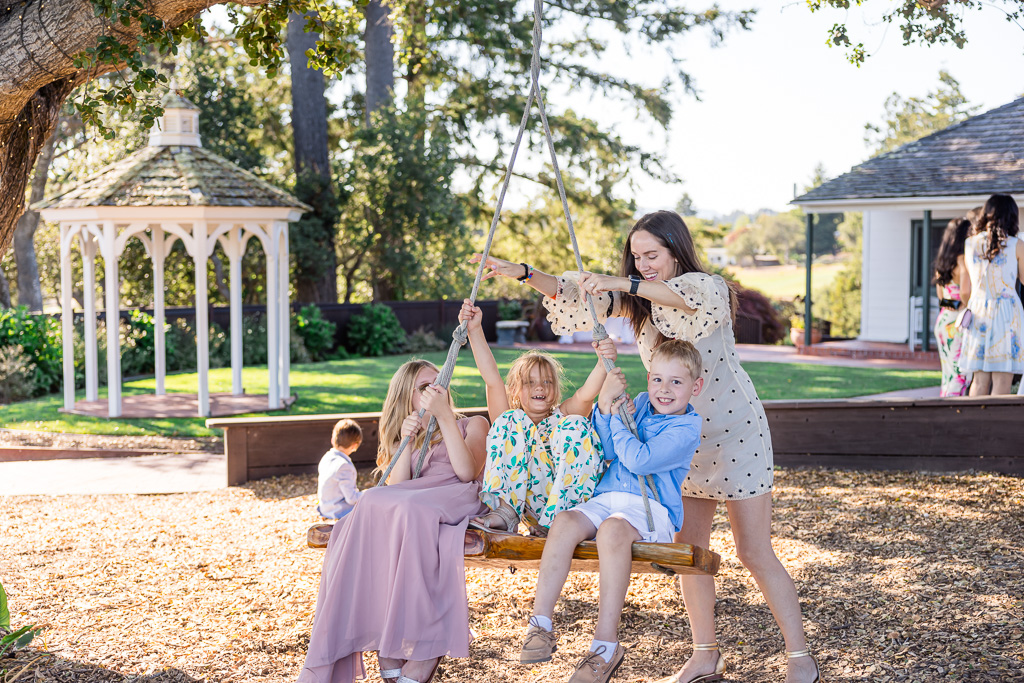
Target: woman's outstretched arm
<point x="497" y="396"/>
<point x="655" y="291"/>
<point x="542" y="282"/>
<point x="466" y="454"/>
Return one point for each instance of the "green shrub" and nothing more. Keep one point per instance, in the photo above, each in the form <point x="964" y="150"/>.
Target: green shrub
<point x="39" y="337"/>
<point x="375" y="332"/>
<point x="510" y="309"/>
<point x="423" y="341"/>
<point x="11" y="641"/>
<point x="138" y="344"/>
<point x="317" y="334"/>
<point x="254" y="340"/>
<point x="17" y="375"/>
<point x="839" y="303"/>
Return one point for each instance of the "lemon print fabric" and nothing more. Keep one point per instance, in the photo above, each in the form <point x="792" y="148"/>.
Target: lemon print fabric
<point x="546" y="467"/>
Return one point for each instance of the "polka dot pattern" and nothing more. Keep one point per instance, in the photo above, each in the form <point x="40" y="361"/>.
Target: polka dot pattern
<point x="735" y="459"/>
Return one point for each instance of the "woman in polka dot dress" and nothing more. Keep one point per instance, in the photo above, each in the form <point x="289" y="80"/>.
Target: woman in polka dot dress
<point x="665" y="293"/>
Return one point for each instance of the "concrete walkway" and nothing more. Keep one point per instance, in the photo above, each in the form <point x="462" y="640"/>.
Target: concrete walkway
<point x="178" y="473"/>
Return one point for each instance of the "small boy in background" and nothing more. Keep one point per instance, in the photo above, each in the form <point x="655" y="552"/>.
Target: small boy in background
<point x="336" y="488"/>
<point x="669" y="430"/>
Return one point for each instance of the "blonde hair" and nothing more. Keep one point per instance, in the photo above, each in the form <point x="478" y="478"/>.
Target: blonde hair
<point x="398" y="406"/>
<point x="346" y="433"/>
<point x="682" y="351"/>
<point x="519" y="376"/>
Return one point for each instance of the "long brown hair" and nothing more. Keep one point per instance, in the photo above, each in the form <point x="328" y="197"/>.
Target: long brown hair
<point x="398" y="406"/>
<point x="671" y="232"/>
<point x="950" y="249"/>
<point x="1000" y="220"/>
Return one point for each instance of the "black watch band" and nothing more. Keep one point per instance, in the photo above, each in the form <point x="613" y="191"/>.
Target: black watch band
<point x="526" y="273"/>
<point x="634" y="283"/>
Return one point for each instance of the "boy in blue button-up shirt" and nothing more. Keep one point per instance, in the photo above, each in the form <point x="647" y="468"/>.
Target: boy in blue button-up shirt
<point x="669" y="431"/>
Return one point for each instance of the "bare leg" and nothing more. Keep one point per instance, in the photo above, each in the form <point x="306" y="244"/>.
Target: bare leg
<point x="981" y="385"/>
<point x="698" y="591"/>
<point x="751" y="521"/>
<point x="387" y="663"/>
<point x="615" y="539"/>
<point x="1001" y="382"/>
<point x="567" y="531"/>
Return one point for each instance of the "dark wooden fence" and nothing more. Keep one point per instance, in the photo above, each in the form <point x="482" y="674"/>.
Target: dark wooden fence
<point x="941" y="435"/>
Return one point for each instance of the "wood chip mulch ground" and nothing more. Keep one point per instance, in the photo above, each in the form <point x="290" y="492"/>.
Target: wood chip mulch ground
<point x="903" y="577"/>
<point x="15" y="438"/>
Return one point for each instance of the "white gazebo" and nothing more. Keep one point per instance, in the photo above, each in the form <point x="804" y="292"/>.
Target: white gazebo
<point x="174" y="189"/>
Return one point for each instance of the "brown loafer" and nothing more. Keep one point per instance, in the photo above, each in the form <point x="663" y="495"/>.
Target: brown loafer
<point x="538" y="646"/>
<point x="593" y="669"/>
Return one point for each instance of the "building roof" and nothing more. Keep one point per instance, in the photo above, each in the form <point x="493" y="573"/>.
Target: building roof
<point x="980" y="156"/>
<point x="173" y="176"/>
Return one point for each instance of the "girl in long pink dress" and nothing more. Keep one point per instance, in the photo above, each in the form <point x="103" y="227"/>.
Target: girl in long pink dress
<point x="393" y="579"/>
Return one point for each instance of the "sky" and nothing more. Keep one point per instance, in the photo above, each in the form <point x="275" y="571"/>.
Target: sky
<point x="775" y="101"/>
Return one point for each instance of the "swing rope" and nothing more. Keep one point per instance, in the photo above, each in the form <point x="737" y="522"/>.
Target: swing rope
<point x="460" y="336"/>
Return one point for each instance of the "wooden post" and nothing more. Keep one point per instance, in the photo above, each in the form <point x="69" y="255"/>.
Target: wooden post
<point x="808" y="318"/>
<point x="92" y="379"/>
<point x="67" y="318"/>
<point x="926" y="276"/>
<point x="112" y="289"/>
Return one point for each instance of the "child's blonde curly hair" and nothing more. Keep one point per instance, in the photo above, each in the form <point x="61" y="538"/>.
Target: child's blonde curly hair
<point x="519" y="376"/>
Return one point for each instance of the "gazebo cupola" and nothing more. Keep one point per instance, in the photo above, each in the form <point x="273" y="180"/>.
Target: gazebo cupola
<point x="178" y="126"/>
<point x="171" y="190"/>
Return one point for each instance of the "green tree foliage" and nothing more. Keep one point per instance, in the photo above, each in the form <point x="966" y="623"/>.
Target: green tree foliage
<point x="400" y="217"/>
<point x="912" y="118"/>
<point x="929" y="22"/>
<point x="840" y="302"/>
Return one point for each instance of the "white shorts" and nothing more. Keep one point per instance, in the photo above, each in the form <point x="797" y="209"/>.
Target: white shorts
<point x="630" y="507"/>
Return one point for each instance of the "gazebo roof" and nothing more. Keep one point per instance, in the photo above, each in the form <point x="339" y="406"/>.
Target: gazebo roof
<point x="173" y="176"/>
<point x="979" y="156"/>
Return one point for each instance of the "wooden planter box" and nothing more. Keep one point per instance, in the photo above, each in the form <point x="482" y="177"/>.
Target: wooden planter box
<point x="939" y="435"/>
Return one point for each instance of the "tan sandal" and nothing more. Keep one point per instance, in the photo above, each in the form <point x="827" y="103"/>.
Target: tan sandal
<point x="807" y="653"/>
<point x="505" y="513"/>
<point x="717" y="675"/>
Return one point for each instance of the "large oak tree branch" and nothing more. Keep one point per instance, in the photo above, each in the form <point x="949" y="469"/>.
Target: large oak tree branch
<point x="38" y="42"/>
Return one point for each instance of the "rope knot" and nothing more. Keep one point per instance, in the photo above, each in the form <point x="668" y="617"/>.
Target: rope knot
<point x="600" y="334"/>
<point x="461" y="335"/>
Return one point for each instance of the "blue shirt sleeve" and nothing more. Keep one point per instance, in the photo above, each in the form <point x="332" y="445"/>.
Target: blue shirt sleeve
<point x="602" y="423"/>
<point x="667" y="450"/>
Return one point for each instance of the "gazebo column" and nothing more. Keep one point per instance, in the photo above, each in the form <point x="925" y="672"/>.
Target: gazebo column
<point x="234" y="246"/>
<point x="284" y="299"/>
<point x="67" y="318"/>
<point x="199" y="244"/>
<point x="92" y="379"/>
<point x="159" y="316"/>
<point x="112" y="289"/>
<point x="808" y="318"/>
<point x="273" y="312"/>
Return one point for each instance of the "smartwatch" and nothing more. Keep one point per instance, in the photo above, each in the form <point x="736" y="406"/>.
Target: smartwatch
<point x="634" y="283"/>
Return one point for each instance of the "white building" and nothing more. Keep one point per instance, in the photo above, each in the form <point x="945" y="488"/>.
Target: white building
<point x="907" y="197"/>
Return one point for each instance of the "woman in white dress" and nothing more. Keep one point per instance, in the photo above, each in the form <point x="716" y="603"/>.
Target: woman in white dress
<point x="665" y="293"/>
<point x="992" y="345"/>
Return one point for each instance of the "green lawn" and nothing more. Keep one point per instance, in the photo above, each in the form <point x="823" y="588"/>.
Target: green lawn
<point x="359" y="385"/>
<point x="786" y="282"/>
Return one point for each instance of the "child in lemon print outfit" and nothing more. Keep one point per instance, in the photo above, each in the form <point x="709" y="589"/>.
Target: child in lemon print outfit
<point x="543" y="455"/>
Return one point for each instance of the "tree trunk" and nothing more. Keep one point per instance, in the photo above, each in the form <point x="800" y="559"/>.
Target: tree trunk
<point x="380" y="57"/>
<point x="5" y="291"/>
<point x="30" y="292"/>
<point x="38" y="43"/>
<point x="316" y="278"/>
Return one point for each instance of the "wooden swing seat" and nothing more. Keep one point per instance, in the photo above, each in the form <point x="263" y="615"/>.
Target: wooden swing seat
<point x="497" y="549"/>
